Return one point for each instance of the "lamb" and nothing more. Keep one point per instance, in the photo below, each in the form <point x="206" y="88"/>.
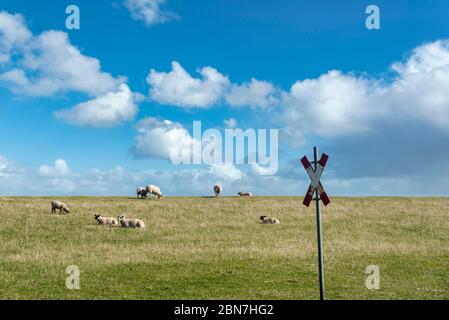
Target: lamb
<point x="58" y="205"/>
<point x="106" y="220"/>
<point x="245" y="194"/>
<point x="269" y="220"/>
<point x="130" y="223"/>
<point x="141" y="193"/>
<point x="217" y="190"/>
<point x="154" y="190"/>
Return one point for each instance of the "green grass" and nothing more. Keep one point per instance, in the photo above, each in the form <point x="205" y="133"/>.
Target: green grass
<point x="206" y="248"/>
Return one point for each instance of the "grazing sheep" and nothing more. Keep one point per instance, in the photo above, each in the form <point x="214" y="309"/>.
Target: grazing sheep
<point x="217" y="190"/>
<point x="269" y="220"/>
<point x="154" y="190"/>
<point x="141" y="193"/>
<point x="109" y="221"/>
<point x="245" y="194"/>
<point x="58" y="205"/>
<point x="130" y="223"/>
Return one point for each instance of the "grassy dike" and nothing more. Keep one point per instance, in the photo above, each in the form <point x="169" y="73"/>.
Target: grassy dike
<point x="207" y="248"/>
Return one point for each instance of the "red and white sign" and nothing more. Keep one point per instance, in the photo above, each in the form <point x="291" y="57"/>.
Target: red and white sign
<point x="315" y="176"/>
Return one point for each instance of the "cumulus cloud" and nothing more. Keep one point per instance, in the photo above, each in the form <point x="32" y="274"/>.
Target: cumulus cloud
<point x="333" y="104"/>
<point x="199" y="181"/>
<point x="48" y="65"/>
<point x="420" y="89"/>
<point x="149" y="11"/>
<point x="8" y="168"/>
<point x="58" y="179"/>
<point x="158" y="139"/>
<point x="13" y="34"/>
<point x="108" y="110"/>
<point x="255" y="94"/>
<point x="226" y="172"/>
<point x="60" y="169"/>
<point x="179" y="88"/>
<point x="337" y="104"/>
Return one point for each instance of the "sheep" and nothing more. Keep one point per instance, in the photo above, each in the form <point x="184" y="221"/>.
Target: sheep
<point x="141" y="193"/>
<point x="217" y="190"/>
<point x="245" y="194"/>
<point x="269" y="220"/>
<point x="130" y="223"/>
<point x="106" y="220"/>
<point x="154" y="190"/>
<point x="58" y="205"/>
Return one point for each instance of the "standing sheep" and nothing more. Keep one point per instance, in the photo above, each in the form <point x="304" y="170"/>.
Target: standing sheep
<point x="269" y="220"/>
<point x="106" y="220"/>
<point x="58" y="205"/>
<point x="130" y="223"/>
<point x="141" y="193"/>
<point x="245" y="194"/>
<point x="217" y="190"/>
<point x="154" y="190"/>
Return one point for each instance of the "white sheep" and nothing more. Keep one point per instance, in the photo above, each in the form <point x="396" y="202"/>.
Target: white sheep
<point x="141" y="192"/>
<point x="245" y="194"/>
<point x="217" y="190"/>
<point x="154" y="190"/>
<point x="269" y="220"/>
<point x="130" y="223"/>
<point x="58" y="205"/>
<point x="109" y="221"/>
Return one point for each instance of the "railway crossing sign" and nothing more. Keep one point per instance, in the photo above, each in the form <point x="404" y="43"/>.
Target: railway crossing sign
<point x="315" y="170"/>
<point x="315" y="175"/>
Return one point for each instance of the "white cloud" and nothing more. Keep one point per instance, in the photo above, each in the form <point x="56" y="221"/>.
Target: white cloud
<point x="421" y="88"/>
<point x="256" y="93"/>
<point x="158" y="139"/>
<point x="8" y="168"/>
<point x="260" y="170"/>
<point x="59" y="170"/>
<point x="59" y="180"/>
<point x="108" y="110"/>
<point x="13" y="34"/>
<point x="149" y="11"/>
<point x="179" y="88"/>
<point x="198" y="181"/>
<point x="226" y="172"/>
<point x="49" y="64"/>
<point x="337" y="104"/>
<point x="333" y="104"/>
<point x="230" y="123"/>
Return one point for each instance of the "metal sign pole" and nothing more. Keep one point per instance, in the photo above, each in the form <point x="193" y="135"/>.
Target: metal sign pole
<point x="318" y="222"/>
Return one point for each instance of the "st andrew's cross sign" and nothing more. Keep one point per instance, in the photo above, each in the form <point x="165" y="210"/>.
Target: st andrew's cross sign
<point x="315" y="170"/>
<point x="315" y="175"/>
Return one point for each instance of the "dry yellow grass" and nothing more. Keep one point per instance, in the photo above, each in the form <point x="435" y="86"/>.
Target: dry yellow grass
<point x="215" y="248"/>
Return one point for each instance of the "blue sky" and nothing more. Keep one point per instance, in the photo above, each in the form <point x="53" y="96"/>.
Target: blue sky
<point x="94" y="111"/>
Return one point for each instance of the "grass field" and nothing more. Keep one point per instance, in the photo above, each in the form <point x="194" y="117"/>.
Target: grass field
<point x="206" y="248"/>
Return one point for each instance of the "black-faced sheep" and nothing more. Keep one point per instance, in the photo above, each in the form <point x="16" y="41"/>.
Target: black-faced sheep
<point x="269" y="220"/>
<point x="217" y="190"/>
<point x="141" y="193"/>
<point x="130" y="223"/>
<point x="154" y="190"/>
<point x="109" y="221"/>
<point x="245" y="194"/>
<point x="58" y="205"/>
